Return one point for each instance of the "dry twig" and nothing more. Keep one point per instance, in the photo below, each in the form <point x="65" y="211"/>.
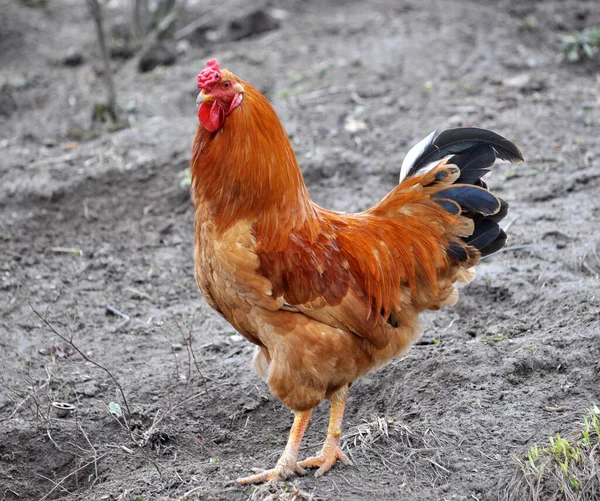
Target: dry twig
<point x="85" y="357"/>
<point x="60" y="482"/>
<point x="188" y="344"/>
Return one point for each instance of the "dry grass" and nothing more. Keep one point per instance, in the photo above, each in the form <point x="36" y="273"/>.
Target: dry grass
<point x="280" y="491"/>
<point x="563" y="469"/>
<point x="382" y="442"/>
<point x="401" y="449"/>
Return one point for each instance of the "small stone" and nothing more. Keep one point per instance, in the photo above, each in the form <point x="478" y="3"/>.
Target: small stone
<point x="531" y="62"/>
<point x="89" y="389"/>
<point x="131" y="106"/>
<point x="466" y="109"/>
<point x="455" y="120"/>
<point x="73" y="58"/>
<point x="352" y="124"/>
<point x="517" y="82"/>
<point x="183" y="46"/>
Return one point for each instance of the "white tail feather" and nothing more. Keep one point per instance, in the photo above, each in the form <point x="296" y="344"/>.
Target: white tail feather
<point x="414" y="153"/>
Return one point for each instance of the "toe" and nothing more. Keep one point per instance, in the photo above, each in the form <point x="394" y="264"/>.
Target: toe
<point x="325" y="461"/>
<point x="299" y="470"/>
<point x="281" y="472"/>
<point x="326" y="466"/>
<point x="253" y="479"/>
<point x="313" y="462"/>
<point x="344" y="459"/>
<point x="263" y="476"/>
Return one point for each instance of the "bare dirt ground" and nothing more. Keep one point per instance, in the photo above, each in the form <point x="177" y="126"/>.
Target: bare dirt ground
<point x="94" y="220"/>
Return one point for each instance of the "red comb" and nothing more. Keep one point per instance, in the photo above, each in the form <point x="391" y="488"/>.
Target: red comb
<point x="209" y="75"/>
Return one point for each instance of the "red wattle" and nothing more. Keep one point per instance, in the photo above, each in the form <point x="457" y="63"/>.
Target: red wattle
<point x="210" y="116"/>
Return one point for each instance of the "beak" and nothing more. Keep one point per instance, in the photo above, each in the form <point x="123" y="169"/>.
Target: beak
<point x="203" y="98"/>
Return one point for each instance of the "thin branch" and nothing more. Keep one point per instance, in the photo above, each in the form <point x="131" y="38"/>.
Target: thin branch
<point x="188" y="344"/>
<point x="23" y="402"/>
<point x="58" y="484"/>
<point x="85" y="357"/>
<point x="93" y="449"/>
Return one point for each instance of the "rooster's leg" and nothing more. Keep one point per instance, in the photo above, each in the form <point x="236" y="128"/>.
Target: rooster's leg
<point x="331" y="450"/>
<point x="286" y="466"/>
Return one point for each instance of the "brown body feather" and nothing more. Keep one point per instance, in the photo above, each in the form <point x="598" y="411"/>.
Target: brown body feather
<point x="326" y="296"/>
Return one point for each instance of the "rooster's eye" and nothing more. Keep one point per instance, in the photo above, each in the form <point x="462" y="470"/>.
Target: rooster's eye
<point x="225" y="85"/>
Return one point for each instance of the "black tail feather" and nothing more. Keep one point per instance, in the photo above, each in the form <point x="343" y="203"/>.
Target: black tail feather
<point x="472" y="198"/>
<point x="450" y="206"/>
<point x="457" y="141"/>
<point x="495" y="246"/>
<point x="501" y="214"/>
<point x="457" y="252"/>
<point x="484" y="234"/>
<point x="481" y="183"/>
<point x="474" y="163"/>
<point x="473" y="151"/>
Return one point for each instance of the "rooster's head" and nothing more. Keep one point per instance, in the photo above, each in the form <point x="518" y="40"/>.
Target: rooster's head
<point x="220" y="94"/>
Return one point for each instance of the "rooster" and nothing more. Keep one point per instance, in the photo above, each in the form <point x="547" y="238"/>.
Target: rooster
<point x="327" y="297"/>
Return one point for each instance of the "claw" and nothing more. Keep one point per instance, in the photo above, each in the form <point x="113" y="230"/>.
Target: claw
<point x="325" y="461"/>
<point x="261" y="476"/>
<point x="280" y="473"/>
<point x="325" y="467"/>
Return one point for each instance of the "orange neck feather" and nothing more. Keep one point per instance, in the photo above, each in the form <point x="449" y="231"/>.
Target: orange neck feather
<point x="248" y="170"/>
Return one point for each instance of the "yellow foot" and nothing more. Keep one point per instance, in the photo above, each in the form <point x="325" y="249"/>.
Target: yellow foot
<point x="325" y="460"/>
<point x="281" y="472"/>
